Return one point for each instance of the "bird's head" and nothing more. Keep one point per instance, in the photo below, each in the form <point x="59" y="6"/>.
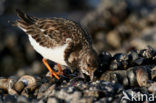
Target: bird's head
<point x="89" y="63"/>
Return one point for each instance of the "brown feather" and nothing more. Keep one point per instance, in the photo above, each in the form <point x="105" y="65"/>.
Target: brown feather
<point x="53" y="32"/>
<point x="24" y="17"/>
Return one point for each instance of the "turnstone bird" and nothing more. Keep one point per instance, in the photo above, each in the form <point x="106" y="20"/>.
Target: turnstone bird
<point x="60" y="40"/>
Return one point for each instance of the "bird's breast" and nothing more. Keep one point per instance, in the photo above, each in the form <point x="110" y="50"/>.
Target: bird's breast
<point x="55" y="54"/>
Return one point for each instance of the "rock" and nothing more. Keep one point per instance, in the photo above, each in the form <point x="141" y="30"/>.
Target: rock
<point x="152" y="87"/>
<point x="22" y="99"/>
<point x="9" y="99"/>
<point x="52" y="100"/>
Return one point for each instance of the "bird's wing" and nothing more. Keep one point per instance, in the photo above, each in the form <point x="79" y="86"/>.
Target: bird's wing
<point x="52" y="31"/>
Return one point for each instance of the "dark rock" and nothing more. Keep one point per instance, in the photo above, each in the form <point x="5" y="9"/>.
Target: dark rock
<point x="104" y="63"/>
<point x="139" y="61"/>
<point x="133" y="55"/>
<point x="153" y="73"/>
<point x="22" y="99"/>
<point x="120" y="56"/>
<point x="115" y="65"/>
<point x="9" y="99"/>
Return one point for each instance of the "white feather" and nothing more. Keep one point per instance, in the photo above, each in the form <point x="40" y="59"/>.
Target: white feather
<point x="22" y="28"/>
<point x="54" y="54"/>
<point x="42" y="30"/>
<point x="84" y="71"/>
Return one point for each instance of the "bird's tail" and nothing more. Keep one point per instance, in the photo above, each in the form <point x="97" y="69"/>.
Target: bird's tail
<point x="24" y="21"/>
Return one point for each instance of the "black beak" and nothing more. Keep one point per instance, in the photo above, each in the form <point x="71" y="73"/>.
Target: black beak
<point x="91" y="75"/>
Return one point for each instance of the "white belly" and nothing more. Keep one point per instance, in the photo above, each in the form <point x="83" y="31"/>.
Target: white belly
<point x="54" y="54"/>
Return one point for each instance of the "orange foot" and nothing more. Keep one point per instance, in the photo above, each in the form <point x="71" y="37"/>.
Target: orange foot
<point x="55" y="74"/>
<point x="60" y="72"/>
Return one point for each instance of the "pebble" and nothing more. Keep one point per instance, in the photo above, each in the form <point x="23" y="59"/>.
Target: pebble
<point x="22" y="99"/>
<point x="52" y="100"/>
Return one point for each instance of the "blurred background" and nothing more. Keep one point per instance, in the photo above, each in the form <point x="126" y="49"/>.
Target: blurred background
<point x="115" y="26"/>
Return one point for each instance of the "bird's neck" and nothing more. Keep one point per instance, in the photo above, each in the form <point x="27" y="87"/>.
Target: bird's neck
<point x="83" y="52"/>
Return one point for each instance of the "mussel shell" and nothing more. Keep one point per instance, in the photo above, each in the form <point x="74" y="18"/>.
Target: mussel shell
<point x="142" y="77"/>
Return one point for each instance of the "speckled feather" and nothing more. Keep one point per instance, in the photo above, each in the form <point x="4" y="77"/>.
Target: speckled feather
<point x="52" y="33"/>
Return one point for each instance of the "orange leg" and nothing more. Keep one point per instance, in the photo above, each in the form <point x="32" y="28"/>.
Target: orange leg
<point x="60" y="72"/>
<point x="50" y="70"/>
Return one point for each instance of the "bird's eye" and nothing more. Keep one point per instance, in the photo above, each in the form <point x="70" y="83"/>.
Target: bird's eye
<point x="88" y="65"/>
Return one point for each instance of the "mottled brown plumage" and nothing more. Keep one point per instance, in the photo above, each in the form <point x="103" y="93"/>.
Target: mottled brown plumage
<point x="56" y="32"/>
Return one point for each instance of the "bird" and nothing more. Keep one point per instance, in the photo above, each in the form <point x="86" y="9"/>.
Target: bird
<point x="60" y="40"/>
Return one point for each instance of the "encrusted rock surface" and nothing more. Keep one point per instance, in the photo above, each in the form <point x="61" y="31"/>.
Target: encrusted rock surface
<point x="125" y="76"/>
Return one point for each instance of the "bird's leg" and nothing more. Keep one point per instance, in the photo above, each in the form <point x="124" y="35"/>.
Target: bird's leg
<point x="60" y="72"/>
<point x="49" y="68"/>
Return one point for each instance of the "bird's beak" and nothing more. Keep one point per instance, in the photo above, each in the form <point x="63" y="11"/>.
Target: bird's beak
<point x="91" y="75"/>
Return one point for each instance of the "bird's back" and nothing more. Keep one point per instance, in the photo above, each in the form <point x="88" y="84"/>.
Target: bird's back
<point x="51" y="32"/>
